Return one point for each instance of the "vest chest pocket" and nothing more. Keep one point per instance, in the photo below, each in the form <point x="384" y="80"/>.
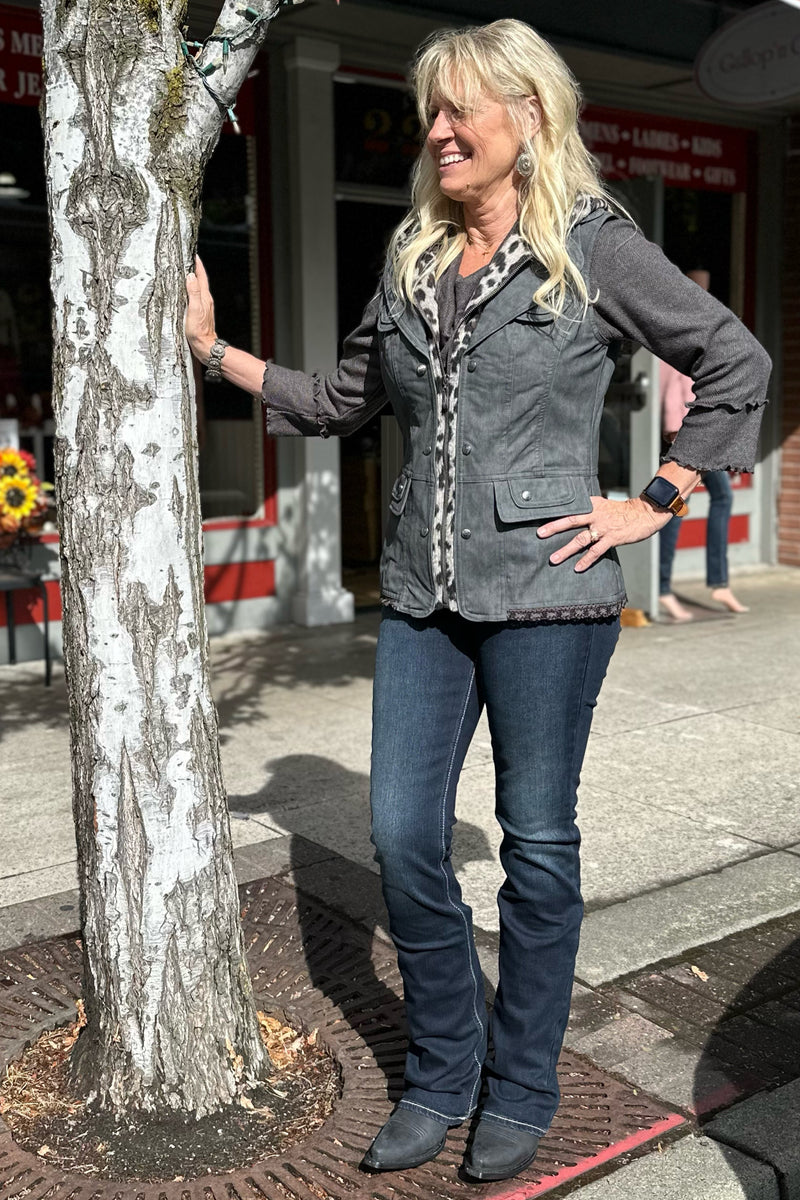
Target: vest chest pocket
<point x="404" y="356"/>
<point x="388" y="340"/>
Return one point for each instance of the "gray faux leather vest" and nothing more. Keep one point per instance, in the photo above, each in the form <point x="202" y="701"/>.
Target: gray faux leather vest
<point x="504" y="440"/>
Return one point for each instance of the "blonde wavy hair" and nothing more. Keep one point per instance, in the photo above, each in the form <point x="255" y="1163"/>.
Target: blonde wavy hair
<point x="510" y="62"/>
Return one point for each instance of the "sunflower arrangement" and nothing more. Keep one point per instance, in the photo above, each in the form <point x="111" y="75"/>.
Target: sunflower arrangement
<point x="24" y="499"/>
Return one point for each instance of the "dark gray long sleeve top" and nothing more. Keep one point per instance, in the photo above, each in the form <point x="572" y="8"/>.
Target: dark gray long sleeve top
<point x="637" y="293"/>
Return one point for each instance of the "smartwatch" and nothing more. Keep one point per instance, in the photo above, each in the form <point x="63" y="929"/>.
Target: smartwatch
<point x="666" y="496"/>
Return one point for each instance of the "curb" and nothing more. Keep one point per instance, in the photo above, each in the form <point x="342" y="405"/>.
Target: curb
<point x="749" y="1152"/>
<point x="695" y="1168"/>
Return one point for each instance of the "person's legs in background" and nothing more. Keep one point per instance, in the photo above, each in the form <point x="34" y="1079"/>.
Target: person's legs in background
<point x="667" y="541"/>
<point x="720" y="494"/>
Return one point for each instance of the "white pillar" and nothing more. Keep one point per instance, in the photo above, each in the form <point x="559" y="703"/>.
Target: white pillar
<point x="319" y="598"/>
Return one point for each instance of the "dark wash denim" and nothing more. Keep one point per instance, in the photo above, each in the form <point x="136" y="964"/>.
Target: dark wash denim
<point x="720" y="494"/>
<point x="539" y="683"/>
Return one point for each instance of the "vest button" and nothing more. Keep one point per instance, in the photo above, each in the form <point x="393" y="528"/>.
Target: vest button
<point x="526" y="495"/>
<point x="424" y="531"/>
<point x="466" y="448"/>
<point x="472" y="365"/>
<point x="466" y="534"/>
<point x="421" y="369"/>
<point x="426" y="449"/>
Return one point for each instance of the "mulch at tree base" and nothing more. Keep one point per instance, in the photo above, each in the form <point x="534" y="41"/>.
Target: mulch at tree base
<point x="46" y="1117"/>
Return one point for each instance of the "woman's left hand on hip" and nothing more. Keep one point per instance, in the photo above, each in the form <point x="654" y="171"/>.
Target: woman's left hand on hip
<point x="610" y="523"/>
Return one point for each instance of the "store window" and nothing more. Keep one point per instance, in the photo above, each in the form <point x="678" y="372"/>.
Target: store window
<point x="701" y="231"/>
<point x="229" y="422"/>
<point x="687" y="185"/>
<point x="377" y="141"/>
<point x="25" y="335"/>
<point x="377" y="132"/>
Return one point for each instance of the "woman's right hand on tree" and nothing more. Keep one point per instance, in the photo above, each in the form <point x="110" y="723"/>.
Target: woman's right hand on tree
<point x="199" y="324"/>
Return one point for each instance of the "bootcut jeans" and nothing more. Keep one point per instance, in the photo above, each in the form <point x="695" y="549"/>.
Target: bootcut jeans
<point x="539" y="683"/>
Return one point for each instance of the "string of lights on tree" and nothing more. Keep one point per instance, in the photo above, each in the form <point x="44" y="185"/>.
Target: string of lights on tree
<point x="255" y="19"/>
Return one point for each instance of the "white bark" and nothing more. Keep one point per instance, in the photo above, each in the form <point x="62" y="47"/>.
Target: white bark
<point x="129" y="128"/>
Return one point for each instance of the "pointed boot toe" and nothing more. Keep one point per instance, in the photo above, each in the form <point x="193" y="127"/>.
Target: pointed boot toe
<point x="500" y="1152"/>
<point x="408" y="1139"/>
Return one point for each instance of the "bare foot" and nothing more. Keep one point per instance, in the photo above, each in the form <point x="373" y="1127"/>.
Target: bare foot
<point x="724" y="596"/>
<point x="672" y="605"/>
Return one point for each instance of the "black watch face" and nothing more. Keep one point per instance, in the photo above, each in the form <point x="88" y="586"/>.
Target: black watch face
<point x="661" y="491"/>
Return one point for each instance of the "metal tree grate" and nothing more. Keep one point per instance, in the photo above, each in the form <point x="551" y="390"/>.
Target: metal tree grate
<point x="328" y="974"/>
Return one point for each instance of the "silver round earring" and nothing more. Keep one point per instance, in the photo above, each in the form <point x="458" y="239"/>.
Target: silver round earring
<point x="525" y="164"/>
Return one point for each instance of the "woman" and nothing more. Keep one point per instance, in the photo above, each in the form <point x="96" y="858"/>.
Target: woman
<point x="676" y="395"/>
<point x="493" y="333"/>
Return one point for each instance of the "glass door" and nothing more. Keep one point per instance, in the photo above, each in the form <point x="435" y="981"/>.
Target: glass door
<point x="377" y="141"/>
<point x="630" y="429"/>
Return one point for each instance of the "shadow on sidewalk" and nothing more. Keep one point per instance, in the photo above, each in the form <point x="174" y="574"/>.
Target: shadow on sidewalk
<point x="250" y="674"/>
<point x="344" y="885"/>
<point x="26" y="704"/>
<point x="754" y="1048"/>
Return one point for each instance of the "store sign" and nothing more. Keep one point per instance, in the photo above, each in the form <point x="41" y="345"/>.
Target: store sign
<point x="20" y="56"/>
<point x="377" y="132"/>
<point x="754" y="60"/>
<point x="21" y="66"/>
<point x="690" y="154"/>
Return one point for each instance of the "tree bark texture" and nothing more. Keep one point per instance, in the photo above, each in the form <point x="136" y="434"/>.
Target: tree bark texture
<point x="129" y="127"/>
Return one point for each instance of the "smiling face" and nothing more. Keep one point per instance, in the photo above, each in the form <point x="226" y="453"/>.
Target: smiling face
<point x="476" y="152"/>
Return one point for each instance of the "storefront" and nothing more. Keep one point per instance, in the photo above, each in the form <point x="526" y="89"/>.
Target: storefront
<point x="236" y="460"/>
<point x="699" y="180"/>
<point x="296" y="215"/>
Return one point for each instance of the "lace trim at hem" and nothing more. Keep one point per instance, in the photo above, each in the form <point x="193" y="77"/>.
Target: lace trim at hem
<point x="574" y="612"/>
<point x="566" y="612"/>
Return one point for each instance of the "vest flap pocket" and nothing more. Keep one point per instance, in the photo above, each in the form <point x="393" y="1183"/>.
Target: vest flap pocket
<point x="394" y="316"/>
<point x="539" y="499"/>
<point x="400" y="489"/>
<point x="534" y="315"/>
<point x="385" y="322"/>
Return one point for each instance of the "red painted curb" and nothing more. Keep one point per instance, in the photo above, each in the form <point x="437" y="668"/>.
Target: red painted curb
<point x="596" y="1160"/>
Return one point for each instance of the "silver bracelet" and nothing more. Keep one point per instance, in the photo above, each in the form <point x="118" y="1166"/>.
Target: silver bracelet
<point x="214" y="364"/>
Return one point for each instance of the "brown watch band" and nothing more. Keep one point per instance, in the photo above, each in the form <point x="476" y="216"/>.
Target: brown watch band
<point x="678" y="507"/>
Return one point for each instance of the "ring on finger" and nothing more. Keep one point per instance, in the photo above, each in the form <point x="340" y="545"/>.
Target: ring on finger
<point x="593" y="534"/>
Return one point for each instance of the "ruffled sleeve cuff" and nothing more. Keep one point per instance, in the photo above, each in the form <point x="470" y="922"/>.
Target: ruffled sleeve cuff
<point x="291" y="403"/>
<point x="718" y="439"/>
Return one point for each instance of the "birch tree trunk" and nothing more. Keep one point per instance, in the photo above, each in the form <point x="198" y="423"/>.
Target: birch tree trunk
<point x="129" y="127"/>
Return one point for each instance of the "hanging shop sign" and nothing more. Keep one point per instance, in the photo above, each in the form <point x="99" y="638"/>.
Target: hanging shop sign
<point x="754" y="60"/>
<point x="20" y="56"/>
<point x="690" y="154"/>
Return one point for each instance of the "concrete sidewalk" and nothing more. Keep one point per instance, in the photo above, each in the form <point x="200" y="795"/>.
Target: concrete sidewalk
<point x="689" y="814"/>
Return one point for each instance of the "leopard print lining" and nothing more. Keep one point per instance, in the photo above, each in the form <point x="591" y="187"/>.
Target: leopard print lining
<point x="513" y="252"/>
